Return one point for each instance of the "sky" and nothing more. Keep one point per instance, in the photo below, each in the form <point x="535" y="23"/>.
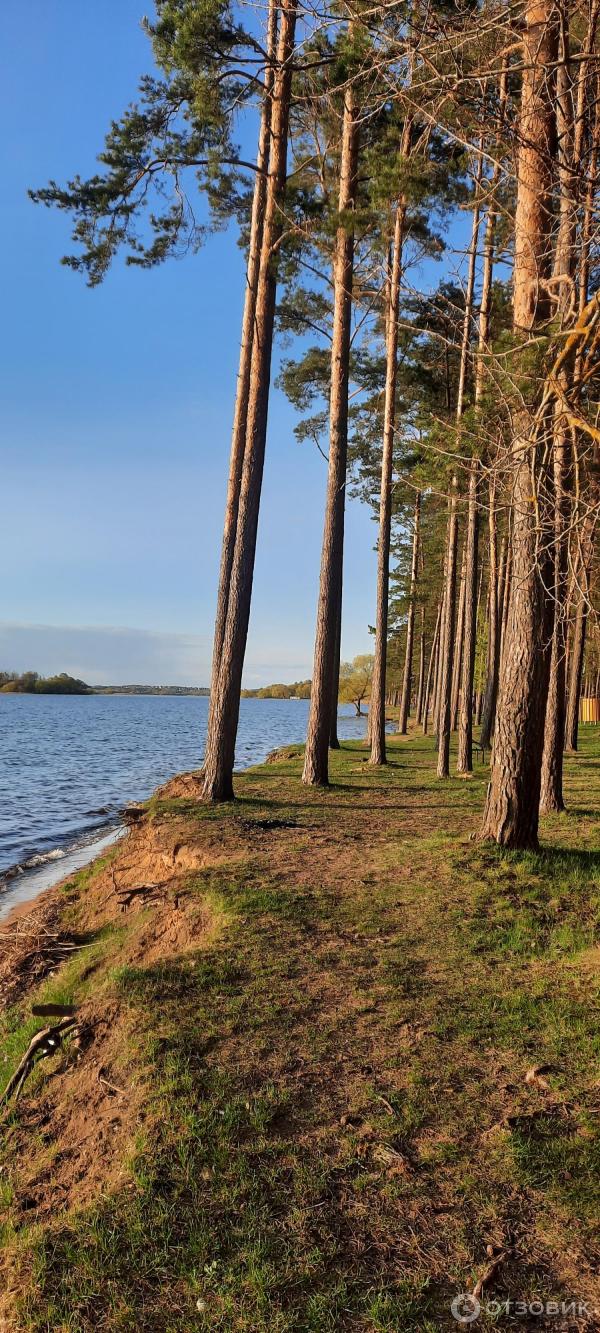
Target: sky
<point x="116" y="408"/>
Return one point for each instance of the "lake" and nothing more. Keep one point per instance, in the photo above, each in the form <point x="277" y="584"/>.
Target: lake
<point x="68" y="763"/>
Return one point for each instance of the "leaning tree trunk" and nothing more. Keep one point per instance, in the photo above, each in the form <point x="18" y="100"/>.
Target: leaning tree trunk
<point x="377" y="705"/>
<point x="316" y="768"/>
<point x="240" y="414"/>
<point x="410" y="623"/>
<point x="512" y="808"/>
<point x="220" y="744"/>
<point x="432" y="668"/>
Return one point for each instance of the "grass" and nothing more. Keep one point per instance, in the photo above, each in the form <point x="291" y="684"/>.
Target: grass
<point x="336" y="1118"/>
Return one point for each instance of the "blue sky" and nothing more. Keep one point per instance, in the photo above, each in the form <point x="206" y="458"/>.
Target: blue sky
<point x="116" y="409"/>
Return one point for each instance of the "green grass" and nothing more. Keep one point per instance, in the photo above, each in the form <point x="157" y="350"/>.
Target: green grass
<point x="337" y="1119"/>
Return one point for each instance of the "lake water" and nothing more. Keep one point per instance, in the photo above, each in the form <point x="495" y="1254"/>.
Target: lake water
<point x="68" y="763"/>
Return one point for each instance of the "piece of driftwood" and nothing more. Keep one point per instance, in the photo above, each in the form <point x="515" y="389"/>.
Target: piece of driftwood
<point x="43" y="1044"/>
<point x="496" y="1263"/>
<point x="126" y="896"/>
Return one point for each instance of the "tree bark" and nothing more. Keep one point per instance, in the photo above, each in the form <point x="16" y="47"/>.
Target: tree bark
<point x="465" y="731"/>
<point x="240" y="414"/>
<point x="445" y="718"/>
<point x="443" y="721"/>
<point x="334" y="743"/>
<point x="458" y="650"/>
<point x="377" y="706"/>
<point x="410" y="623"/>
<point x="421" y="680"/>
<point x="512" y="808"/>
<point x="432" y="668"/>
<point x="551" y="793"/>
<point x="221" y="737"/>
<point x="488" y="712"/>
<point x="316" y="769"/>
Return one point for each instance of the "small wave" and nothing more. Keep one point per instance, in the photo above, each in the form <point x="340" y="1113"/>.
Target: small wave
<point x="40" y="858"/>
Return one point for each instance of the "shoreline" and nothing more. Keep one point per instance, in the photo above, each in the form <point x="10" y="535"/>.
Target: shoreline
<point x="22" y="888"/>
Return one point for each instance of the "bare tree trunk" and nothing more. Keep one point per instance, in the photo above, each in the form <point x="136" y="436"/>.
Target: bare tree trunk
<point x="488" y="714"/>
<point x="240" y="414"/>
<point x="512" y="808"/>
<point x="377" y="706"/>
<point x="505" y="602"/>
<point x="432" y="668"/>
<point x="437" y="680"/>
<point x="316" y="769"/>
<point x="581" y="618"/>
<point x="443" y="721"/>
<point x="221" y="737"/>
<point x="465" y="732"/>
<point x="410" y="623"/>
<point x="575" y="675"/>
<point x="421" y="681"/>
<point x="551" y="793"/>
<point x="458" y="651"/>
<point x="334" y="743"/>
<point x="443" y="767"/>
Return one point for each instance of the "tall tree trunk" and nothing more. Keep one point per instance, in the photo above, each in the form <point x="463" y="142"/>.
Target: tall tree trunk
<point x="445" y="719"/>
<point x="377" y="706"/>
<point x="421" y="679"/>
<point x="581" y="618"/>
<point x="220" y="744"/>
<point x="465" y="731"/>
<point x="334" y="743"/>
<point x="488" y="713"/>
<point x="432" y="668"/>
<point x="551" y="794"/>
<point x="437" y="679"/>
<point x="447" y="643"/>
<point x="512" y="808"/>
<point x="410" y="622"/>
<point x="458" y="650"/>
<point x="575" y="675"/>
<point x="316" y="770"/>
<point x="240" y="414"/>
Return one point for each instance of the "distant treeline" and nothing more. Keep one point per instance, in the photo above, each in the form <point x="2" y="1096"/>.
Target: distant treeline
<point x="32" y="683"/>
<point x="299" y="690"/>
<point x="151" y="689"/>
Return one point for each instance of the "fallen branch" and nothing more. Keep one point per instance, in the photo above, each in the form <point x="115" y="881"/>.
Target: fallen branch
<point x="490" y="1272"/>
<point x="113" y="1087"/>
<point x="43" y="1044"/>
